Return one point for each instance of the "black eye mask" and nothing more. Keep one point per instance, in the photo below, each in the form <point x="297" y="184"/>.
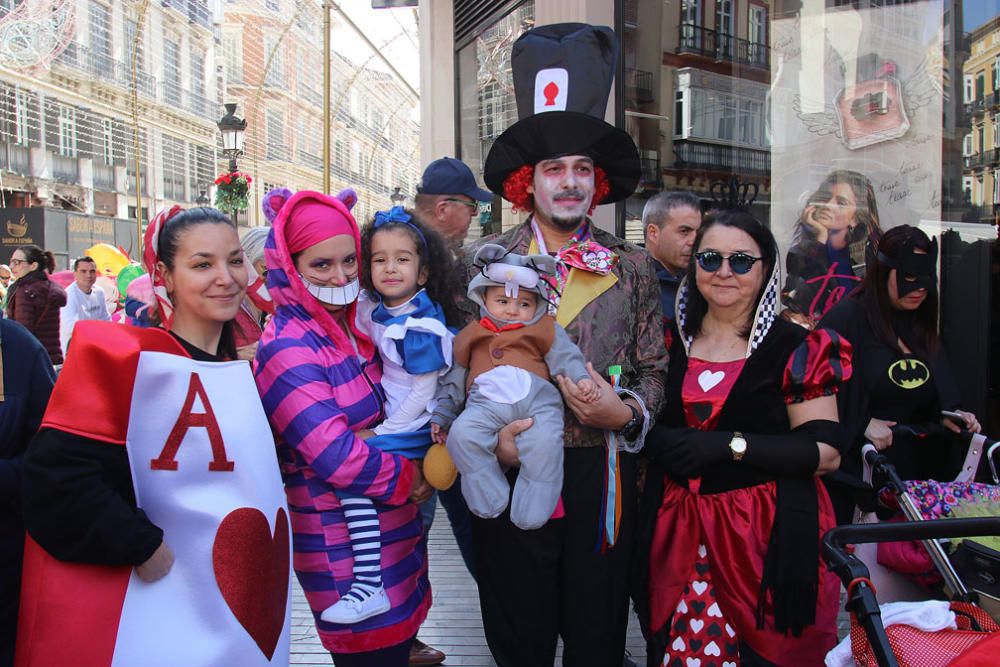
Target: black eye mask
<point x="913" y="270"/>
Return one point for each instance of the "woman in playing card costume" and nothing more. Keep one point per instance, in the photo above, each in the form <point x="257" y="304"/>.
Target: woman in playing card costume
<point x="318" y="376"/>
<point x="732" y="510"/>
<point x="903" y="374"/>
<point x="158" y="529"/>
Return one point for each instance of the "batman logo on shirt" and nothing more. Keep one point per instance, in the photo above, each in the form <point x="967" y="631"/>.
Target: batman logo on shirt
<point x="909" y="373"/>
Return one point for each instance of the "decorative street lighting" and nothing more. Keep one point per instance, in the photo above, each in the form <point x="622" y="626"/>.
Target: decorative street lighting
<point x="397" y="197"/>
<point x="202" y="199"/>
<point x="232" y="129"/>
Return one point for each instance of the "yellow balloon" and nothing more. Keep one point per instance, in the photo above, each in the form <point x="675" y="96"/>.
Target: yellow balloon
<point x="110" y="260"/>
<point x="439" y="470"/>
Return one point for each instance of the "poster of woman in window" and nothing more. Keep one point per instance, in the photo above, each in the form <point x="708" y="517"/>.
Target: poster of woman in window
<point x="856" y="150"/>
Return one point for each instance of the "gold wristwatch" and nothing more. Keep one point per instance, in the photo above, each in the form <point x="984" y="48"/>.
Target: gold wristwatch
<point x="738" y="446"/>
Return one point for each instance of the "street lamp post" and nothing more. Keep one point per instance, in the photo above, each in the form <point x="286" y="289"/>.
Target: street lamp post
<point x="232" y="129"/>
<point x="397" y="197"/>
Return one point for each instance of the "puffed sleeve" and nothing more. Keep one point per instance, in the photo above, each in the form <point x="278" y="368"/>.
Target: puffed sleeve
<point x="819" y="365"/>
<point x="421" y="344"/>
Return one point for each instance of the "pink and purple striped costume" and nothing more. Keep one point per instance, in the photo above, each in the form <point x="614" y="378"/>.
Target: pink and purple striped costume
<point x="316" y="394"/>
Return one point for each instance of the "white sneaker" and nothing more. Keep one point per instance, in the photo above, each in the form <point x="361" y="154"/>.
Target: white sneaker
<point x="348" y="610"/>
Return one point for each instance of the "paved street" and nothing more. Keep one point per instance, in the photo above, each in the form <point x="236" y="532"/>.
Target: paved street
<point x="454" y="624"/>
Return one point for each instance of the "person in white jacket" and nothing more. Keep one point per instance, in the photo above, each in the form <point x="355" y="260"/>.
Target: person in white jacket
<point x="84" y="300"/>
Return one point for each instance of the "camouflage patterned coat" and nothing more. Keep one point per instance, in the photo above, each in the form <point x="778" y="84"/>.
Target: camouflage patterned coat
<point x="620" y="326"/>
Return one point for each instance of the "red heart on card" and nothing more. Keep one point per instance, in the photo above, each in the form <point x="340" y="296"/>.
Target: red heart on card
<point x="251" y="569"/>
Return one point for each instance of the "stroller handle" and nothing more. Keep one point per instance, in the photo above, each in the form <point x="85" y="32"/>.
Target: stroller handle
<point x="837" y="538"/>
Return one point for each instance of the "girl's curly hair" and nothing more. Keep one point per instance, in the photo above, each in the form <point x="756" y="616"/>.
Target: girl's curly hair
<point x="442" y="284"/>
<point x="515" y="188"/>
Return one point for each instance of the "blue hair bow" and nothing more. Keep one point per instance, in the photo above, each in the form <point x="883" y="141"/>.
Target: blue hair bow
<point x="398" y="216"/>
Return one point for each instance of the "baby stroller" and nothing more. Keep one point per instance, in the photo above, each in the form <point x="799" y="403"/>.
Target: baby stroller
<point x="908" y="497"/>
<point x="863" y="575"/>
<point x="974" y="643"/>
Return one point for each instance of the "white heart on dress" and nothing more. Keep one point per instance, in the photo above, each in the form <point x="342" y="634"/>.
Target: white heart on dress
<point x="714" y="610"/>
<point x="730" y="631"/>
<point x="713" y="649"/>
<point x="697" y="625"/>
<point x="700" y="587"/>
<point x="707" y="379"/>
<point x="728" y="664"/>
<point x="702" y="552"/>
<point x="682" y="607"/>
<point x="678" y="645"/>
<point x="693" y="662"/>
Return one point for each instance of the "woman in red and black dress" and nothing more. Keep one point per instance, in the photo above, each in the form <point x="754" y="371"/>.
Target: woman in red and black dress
<point x="733" y="510"/>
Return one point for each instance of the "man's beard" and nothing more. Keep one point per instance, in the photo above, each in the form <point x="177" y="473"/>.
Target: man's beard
<point x="569" y="224"/>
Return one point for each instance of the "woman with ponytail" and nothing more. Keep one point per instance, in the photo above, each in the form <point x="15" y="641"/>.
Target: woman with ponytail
<point x="34" y="300"/>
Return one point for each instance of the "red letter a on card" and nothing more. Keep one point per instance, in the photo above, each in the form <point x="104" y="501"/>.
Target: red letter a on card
<point x="166" y="460"/>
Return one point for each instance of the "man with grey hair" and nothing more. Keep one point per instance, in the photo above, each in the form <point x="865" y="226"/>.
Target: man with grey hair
<point x="670" y="221"/>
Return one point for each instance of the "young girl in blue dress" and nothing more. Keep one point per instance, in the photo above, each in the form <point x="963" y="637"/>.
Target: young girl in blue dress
<point x="406" y="309"/>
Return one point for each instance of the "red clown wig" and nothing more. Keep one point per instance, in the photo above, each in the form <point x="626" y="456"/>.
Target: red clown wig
<point x="515" y="188"/>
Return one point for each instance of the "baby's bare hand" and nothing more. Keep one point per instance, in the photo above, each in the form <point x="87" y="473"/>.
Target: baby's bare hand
<point x="588" y="390"/>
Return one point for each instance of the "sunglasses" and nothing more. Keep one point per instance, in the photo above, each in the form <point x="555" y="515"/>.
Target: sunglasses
<point x="472" y="206"/>
<point x="740" y="263"/>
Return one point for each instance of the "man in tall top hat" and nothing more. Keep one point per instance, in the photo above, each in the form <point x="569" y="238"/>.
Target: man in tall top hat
<point x="558" y="162"/>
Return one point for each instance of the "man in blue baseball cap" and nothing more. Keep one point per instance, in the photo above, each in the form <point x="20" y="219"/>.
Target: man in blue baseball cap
<point x="448" y="198"/>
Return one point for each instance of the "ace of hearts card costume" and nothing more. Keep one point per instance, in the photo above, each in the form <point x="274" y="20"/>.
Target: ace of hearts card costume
<point x="148" y="439"/>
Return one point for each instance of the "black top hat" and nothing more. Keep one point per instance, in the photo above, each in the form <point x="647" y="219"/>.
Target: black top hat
<point x="562" y="80"/>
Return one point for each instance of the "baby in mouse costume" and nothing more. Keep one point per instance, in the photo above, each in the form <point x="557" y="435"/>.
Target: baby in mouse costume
<point x="504" y="368"/>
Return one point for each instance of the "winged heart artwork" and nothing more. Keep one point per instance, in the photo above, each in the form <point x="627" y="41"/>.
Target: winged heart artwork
<point x="878" y="106"/>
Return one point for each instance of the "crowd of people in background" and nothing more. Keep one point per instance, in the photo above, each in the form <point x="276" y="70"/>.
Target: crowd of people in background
<point x="708" y="439"/>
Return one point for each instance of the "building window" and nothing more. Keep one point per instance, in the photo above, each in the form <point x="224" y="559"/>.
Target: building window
<point x="980" y="136"/>
<point x="757" y="34"/>
<point x="340" y="155"/>
<point x="967" y="187"/>
<point x="99" y="18"/>
<point x="275" y="75"/>
<point x="679" y="113"/>
<point x="21" y="116"/>
<point x="276" y="146"/>
<point x="174" y="168"/>
<point x="996" y="130"/>
<point x="967" y="149"/>
<point x="131" y="28"/>
<point x="724" y="26"/>
<point x="981" y="85"/>
<point x="107" y="141"/>
<point x="996" y="186"/>
<point x="232" y="52"/>
<point x="67" y="131"/>
<point x="198" y="71"/>
<point x="968" y="96"/>
<point x="691" y="23"/>
<point x="172" y="71"/>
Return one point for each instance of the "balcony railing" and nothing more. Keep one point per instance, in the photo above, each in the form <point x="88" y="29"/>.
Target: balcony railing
<point x="278" y="152"/>
<point x="310" y="160"/>
<point x="15" y="159"/>
<point x="722" y="158"/>
<point x="104" y="177"/>
<point x="65" y="169"/>
<point x="196" y="11"/>
<point x="105" y="69"/>
<point x="989" y="157"/>
<point x="720" y="46"/>
<point x="639" y="84"/>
